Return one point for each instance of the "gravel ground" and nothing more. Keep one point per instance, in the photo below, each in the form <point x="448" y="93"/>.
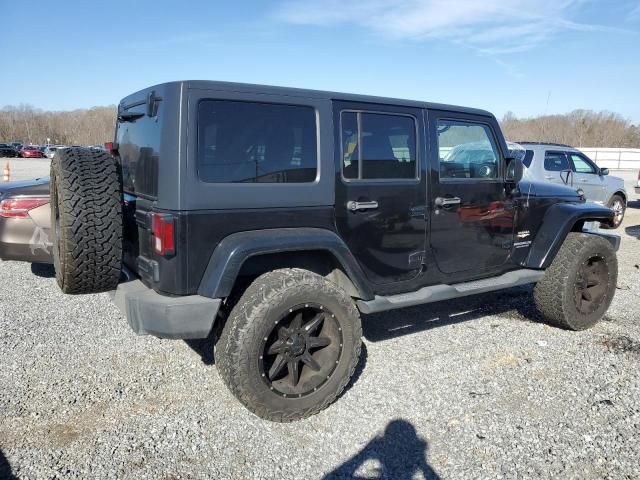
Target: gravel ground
<point x="476" y="388"/>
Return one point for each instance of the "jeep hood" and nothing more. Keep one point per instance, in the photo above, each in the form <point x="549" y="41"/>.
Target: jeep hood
<point x="550" y="190"/>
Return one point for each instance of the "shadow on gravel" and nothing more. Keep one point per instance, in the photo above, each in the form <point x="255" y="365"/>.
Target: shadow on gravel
<point x="204" y="347"/>
<point x="515" y="303"/>
<point x="5" y="468"/>
<point x="358" y="371"/>
<point x="633" y="231"/>
<point x="44" y="270"/>
<point x="399" y="454"/>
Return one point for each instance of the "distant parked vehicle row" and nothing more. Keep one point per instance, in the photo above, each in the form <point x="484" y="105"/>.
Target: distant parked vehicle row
<point x="16" y="149"/>
<point x="7" y="150"/>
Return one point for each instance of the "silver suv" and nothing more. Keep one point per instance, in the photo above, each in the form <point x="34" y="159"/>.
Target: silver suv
<point x="566" y="165"/>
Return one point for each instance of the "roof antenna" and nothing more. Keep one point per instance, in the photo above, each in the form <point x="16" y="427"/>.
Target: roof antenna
<point x="546" y="109"/>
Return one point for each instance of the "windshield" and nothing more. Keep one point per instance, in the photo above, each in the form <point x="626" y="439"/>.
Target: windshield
<point x="516" y="150"/>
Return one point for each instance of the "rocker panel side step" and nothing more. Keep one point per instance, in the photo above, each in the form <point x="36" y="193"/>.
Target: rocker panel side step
<point x="436" y="293"/>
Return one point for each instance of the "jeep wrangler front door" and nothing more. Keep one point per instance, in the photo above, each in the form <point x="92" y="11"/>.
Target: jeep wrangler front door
<point x="380" y="188"/>
<point x="471" y="216"/>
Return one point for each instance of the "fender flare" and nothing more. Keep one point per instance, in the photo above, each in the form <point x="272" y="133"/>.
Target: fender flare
<point x="231" y="253"/>
<point x="558" y="221"/>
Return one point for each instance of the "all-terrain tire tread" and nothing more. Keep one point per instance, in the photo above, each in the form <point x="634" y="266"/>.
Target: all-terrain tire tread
<point x="87" y="194"/>
<point x="242" y="324"/>
<point x="551" y="293"/>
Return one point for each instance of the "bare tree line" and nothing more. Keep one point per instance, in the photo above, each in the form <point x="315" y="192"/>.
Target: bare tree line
<point x="26" y="124"/>
<point x="580" y="128"/>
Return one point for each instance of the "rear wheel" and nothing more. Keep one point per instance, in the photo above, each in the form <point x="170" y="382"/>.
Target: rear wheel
<point x="578" y="287"/>
<point x="290" y="345"/>
<point x="86" y="220"/>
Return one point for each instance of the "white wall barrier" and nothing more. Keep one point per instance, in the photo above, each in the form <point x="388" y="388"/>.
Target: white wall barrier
<point x="614" y="158"/>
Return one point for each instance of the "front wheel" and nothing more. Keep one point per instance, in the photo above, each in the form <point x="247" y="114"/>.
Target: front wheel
<point x="290" y="345"/>
<point x="578" y="287"/>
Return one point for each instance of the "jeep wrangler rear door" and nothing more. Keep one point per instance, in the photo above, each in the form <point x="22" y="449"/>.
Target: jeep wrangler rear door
<point x="471" y="216"/>
<point x="380" y="188"/>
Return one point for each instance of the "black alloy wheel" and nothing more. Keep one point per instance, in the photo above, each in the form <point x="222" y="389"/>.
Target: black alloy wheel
<point x="591" y="284"/>
<point x="302" y="351"/>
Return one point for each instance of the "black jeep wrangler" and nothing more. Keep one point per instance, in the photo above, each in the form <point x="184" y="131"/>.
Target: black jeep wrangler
<point x="273" y="217"/>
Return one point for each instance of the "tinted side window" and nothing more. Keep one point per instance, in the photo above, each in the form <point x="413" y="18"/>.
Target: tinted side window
<point x="528" y="158"/>
<point x="466" y="150"/>
<point x="378" y="146"/>
<point x="582" y="165"/>
<point x="256" y="142"/>
<point x="556" y="162"/>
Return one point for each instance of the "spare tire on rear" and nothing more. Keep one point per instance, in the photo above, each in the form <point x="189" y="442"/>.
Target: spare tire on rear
<point x="86" y="220"/>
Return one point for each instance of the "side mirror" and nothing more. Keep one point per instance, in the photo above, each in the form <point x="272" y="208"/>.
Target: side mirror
<point x="604" y="171"/>
<point x="515" y="169"/>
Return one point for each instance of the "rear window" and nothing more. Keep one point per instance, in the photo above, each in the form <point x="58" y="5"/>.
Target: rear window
<point x="249" y="142"/>
<point x="138" y="140"/>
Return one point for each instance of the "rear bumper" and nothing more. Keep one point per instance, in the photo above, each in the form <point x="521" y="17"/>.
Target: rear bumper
<point x="21" y="239"/>
<point x="149" y="313"/>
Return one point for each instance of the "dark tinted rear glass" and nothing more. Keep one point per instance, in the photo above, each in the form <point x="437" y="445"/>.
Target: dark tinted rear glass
<point x="138" y="147"/>
<point x="256" y="142"/>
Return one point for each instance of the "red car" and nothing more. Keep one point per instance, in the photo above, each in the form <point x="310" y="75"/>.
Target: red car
<point x="30" y="152"/>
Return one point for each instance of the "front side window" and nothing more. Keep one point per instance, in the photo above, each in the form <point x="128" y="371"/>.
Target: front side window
<point x="466" y="150"/>
<point x="256" y="142"/>
<point x="378" y="146"/>
<point x="581" y="164"/>
<point x="556" y="162"/>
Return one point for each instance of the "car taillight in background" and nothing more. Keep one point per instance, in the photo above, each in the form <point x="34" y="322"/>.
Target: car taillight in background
<point x="162" y="226"/>
<point x="111" y="147"/>
<point x="19" y="207"/>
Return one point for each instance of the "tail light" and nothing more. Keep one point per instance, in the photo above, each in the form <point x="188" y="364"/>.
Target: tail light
<point x="162" y="226"/>
<point x="19" y="207"/>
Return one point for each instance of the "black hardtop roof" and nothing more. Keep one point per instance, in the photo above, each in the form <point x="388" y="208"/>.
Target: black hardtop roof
<point x="318" y="94"/>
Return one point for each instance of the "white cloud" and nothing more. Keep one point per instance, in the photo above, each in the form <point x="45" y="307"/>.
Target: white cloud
<point x="489" y="26"/>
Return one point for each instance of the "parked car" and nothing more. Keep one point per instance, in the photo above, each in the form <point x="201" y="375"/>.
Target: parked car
<point x="30" y="151"/>
<point x="637" y="187"/>
<point x="272" y="218"/>
<point x="565" y="165"/>
<point x="16" y="145"/>
<point x="25" y="220"/>
<point x="7" y="150"/>
<point x="50" y="151"/>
